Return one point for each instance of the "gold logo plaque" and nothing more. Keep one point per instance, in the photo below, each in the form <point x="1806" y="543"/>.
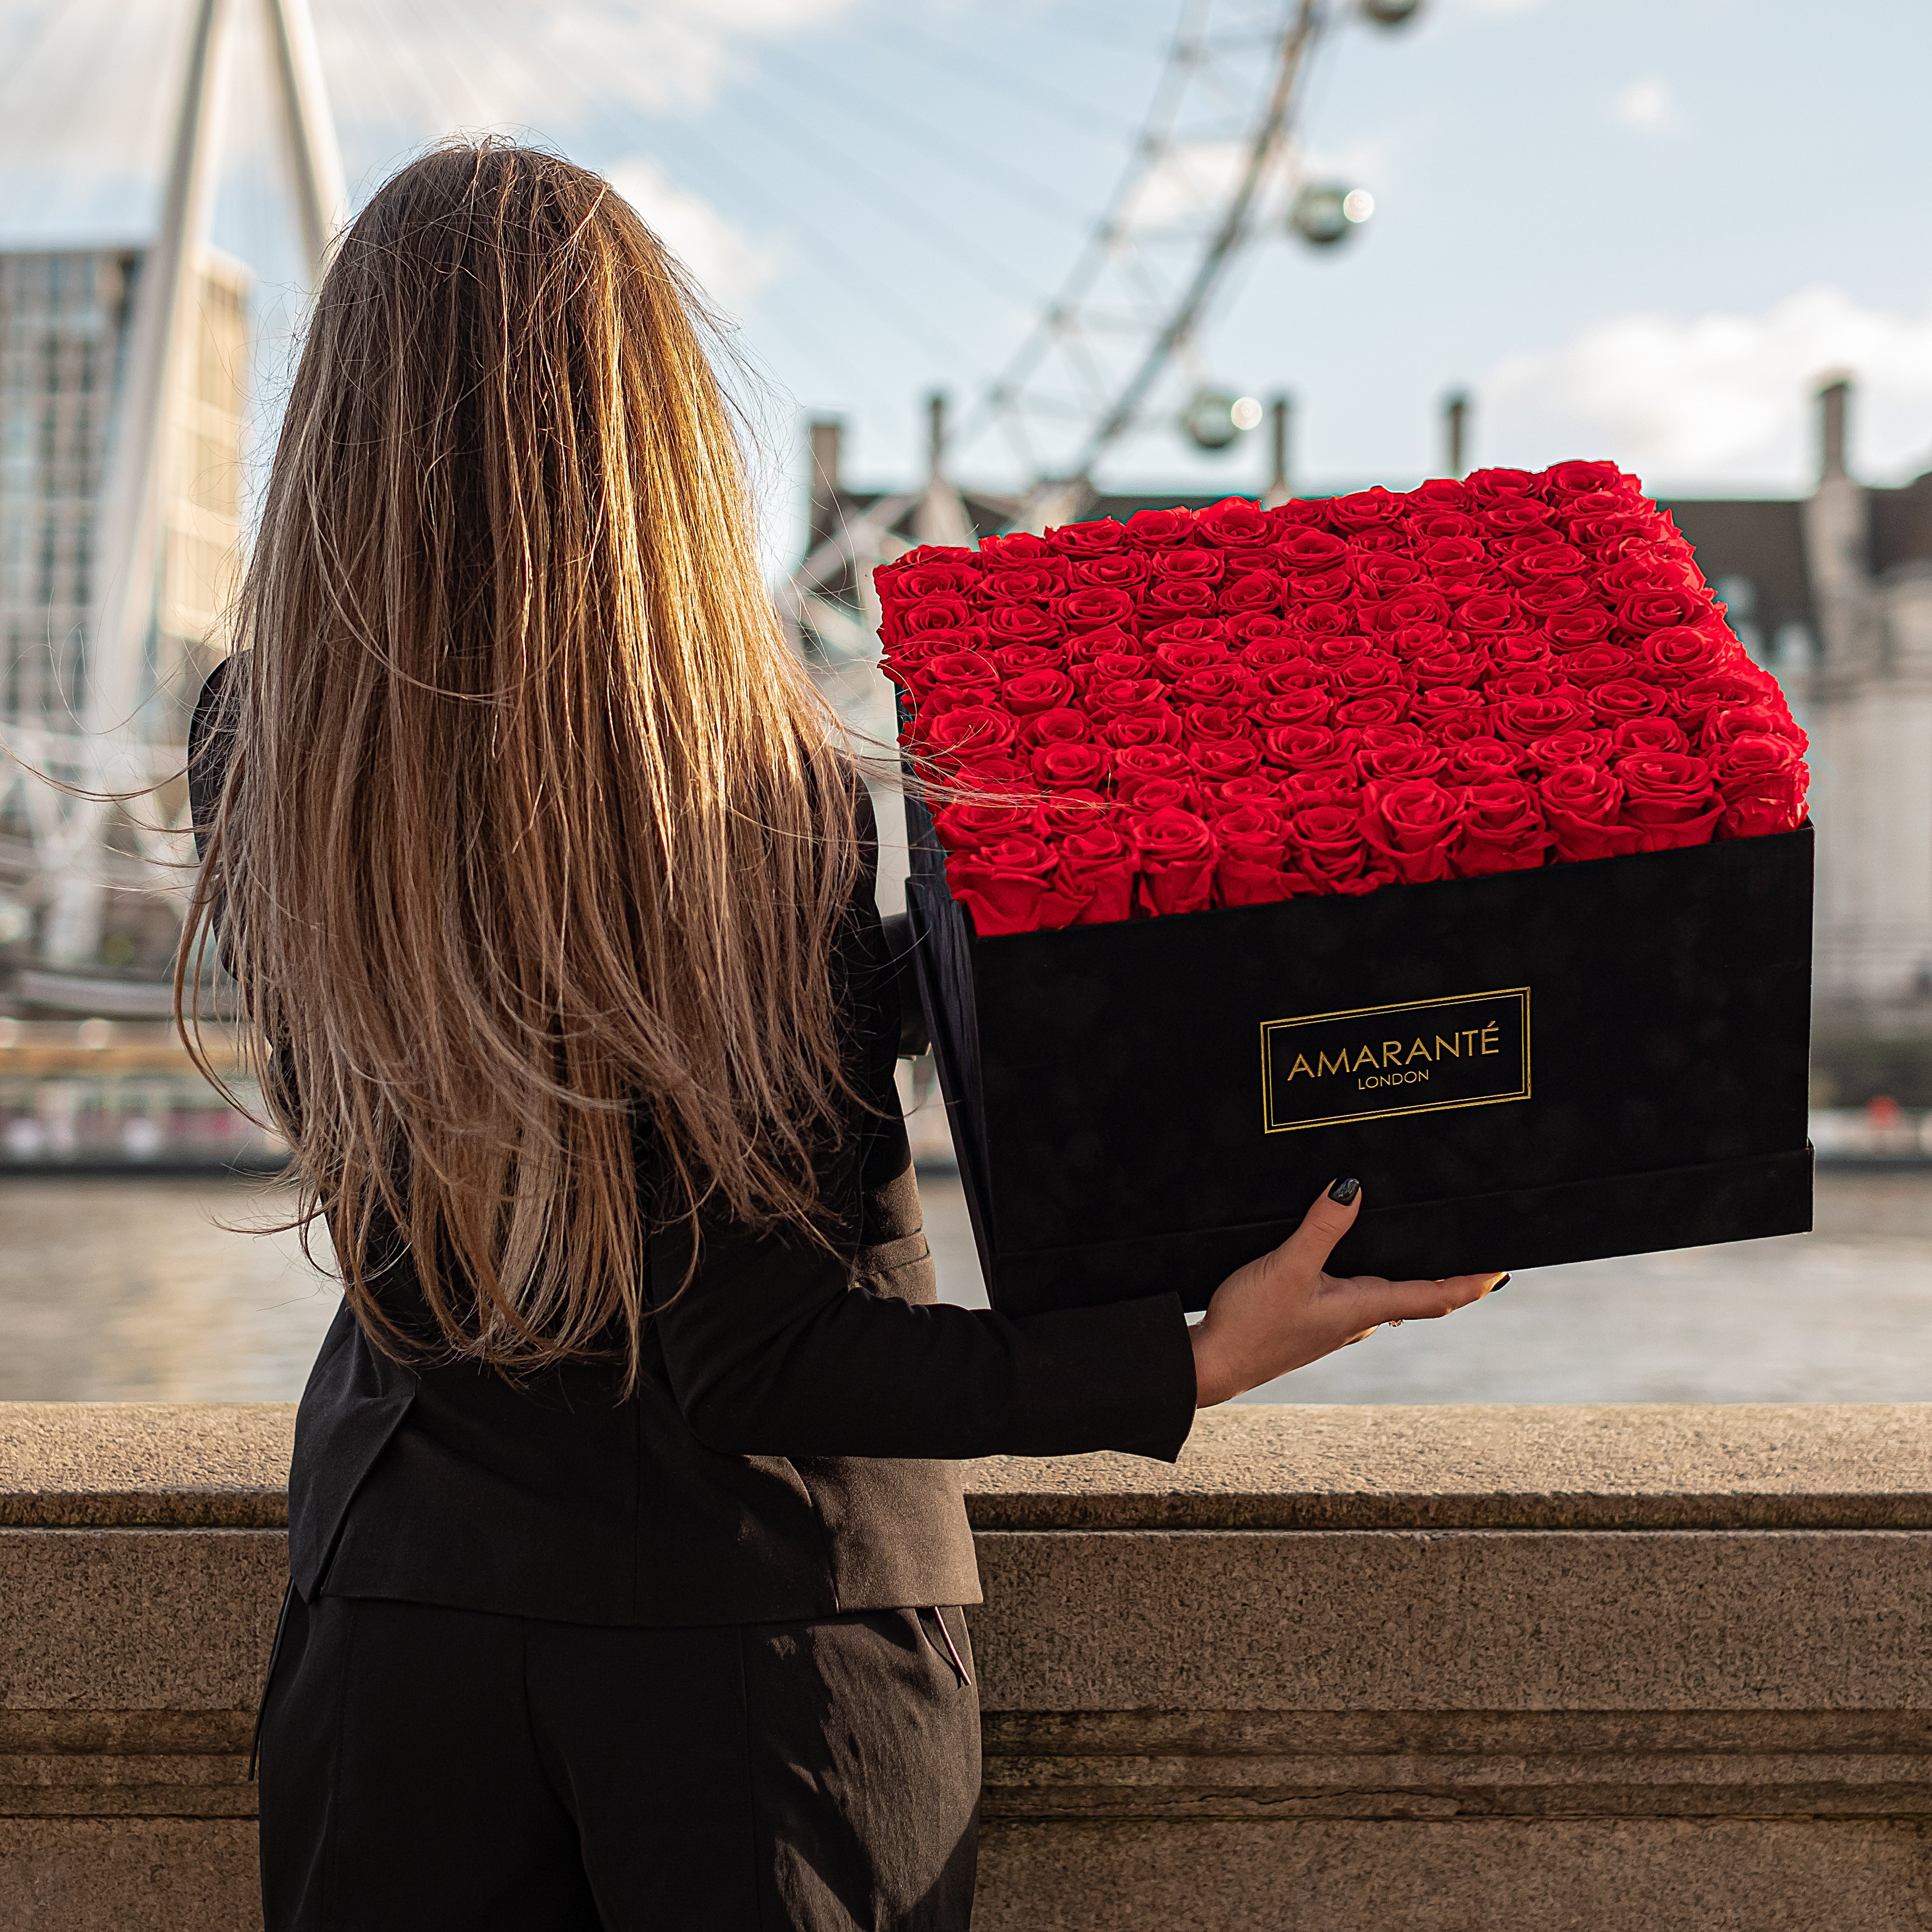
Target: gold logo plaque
<point x="1371" y="1062"/>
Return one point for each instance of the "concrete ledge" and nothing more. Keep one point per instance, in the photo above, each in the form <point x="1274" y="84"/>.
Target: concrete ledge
<point x="1453" y="1667"/>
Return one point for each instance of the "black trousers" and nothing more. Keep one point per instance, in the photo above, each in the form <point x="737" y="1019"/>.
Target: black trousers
<point x="446" y="1771"/>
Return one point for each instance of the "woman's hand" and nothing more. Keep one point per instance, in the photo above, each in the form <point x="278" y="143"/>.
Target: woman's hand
<point x="1282" y="1312"/>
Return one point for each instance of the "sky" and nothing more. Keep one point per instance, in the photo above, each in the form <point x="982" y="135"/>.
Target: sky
<point x="1642" y="228"/>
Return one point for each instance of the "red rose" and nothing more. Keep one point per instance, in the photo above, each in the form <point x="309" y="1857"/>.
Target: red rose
<point x="1414" y="823"/>
<point x="943" y="611"/>
<point x="1403" y="759"/>
<point x="1092" y="605"/>
<point x="1253" y="628"/>
<point x="965" y="828"/>
<point x="959" y="677"/>
<point x="1157" y="725"/>
<point x="1323" y="620"/>
<point x="1381" y="708"/>
<point x="1671" y="795"/>
<point x="1216" y="720"/>
<point x="1216" y="760"/>
<point x="1222" y="683"/>
<point x="1254" y="591"/>
<point x="1501" y="686"/>
<point x="1132" y="764"/>
<point x="1102" y="537"/>
<point x="1457" y="667"/>
<point x="1481" y="761"/>
<point x="1165" y="598"/>
<point x="1295" y="747"/>
<point x="1176" y="850"/>
<point x="1328" y="840"/>
<point x="1580" y="626"/>
<point x="1324" y="784"/>
<point x="1019" y="550"/>
<point x="1235" y="523"/>
<point x="1109" y="697"/>
<point x="1625" y="698"/>
<point x="1440" y="493"/>
<point x="1011" y="659"/>
<point x="1410" y="641"/>
<point x="1125" y="570"/>
<point x="1365" y="509"/>
<point x="1648" y="610"/>
<point x="1003" y="884"/>
<point x="1432" y="525"/>
<point x="1035" y="690"/>
<point x="1681" y="653"/>
<point x="1570" y="748"/>
<point x="1159" y="529"/>
<point x="1268" y="654"/>
<point x="1763" y="781"/>
<point x="1096" y="872"/>
<point x="1739" y="682"/>
<point x="1022" y="584"/>
<point x="1655" y="568"/>
<point x="1599" y="664"/>
<point x="1091" y="644"/>
<point x="1435" y="702"/>
<point x="1719" y="727"/>
<point x="1252" y="867"/>
<point x="1518" y="720"/>
<point x="1582" y="803"/>
<point x="1362" y="673"/>
<point x="1073" y="811"/>
<point x="1562" y="480"/>
<point x="1232" y="794"/>
<point x="1150" y="795"/>
<point x="1202" y="566"/>
<point x="1381" y="575"/>
<point x="990" y="771"/>
<point x="940" y="570"/>
<point x="1112" y="667"/>
<point x="1503" y="829"/>
<point x="968" y="731"/>
<point x="1537" y="567"/>
<point x="1320" y="551"/>
<point x="1176" y="658"/>
<point x="1319" y="587"/>
<point x="1499" y="487"/>
<point x="1648" y="734"/>
<point x="1023" y="624"/>
<point x="1452" y="553"/>
<point x="1068" y="767"/>
<point x="1494" y="611"/>
<point x="1297" y="704"/>
<point x="1554" y="597"/>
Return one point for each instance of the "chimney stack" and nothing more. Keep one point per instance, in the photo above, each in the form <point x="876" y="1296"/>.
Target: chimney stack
<point x="1835" y="401"/>
<point x="1281" y="413"/>
<point x="1456" y="432"/>
<point x="828" y="436"/>
<point x="935" y="436"/>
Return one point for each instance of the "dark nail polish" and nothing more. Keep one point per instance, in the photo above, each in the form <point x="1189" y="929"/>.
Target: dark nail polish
<point x="1343" y="1191"/>
<point x="1501" y="1284"/>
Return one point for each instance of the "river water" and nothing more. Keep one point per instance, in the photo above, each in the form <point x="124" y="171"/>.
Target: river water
<point x="152" y="1289"/>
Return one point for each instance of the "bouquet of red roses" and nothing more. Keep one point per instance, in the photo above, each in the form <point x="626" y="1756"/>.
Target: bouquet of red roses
<point x="1236" y="706"/>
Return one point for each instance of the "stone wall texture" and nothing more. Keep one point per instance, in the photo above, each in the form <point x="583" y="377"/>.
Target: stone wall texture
<point x="1452" y="1667"/>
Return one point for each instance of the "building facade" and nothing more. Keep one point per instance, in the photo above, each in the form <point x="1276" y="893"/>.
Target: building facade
<point x="64" y="323"/>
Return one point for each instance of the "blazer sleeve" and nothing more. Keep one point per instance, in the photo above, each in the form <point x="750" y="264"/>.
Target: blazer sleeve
<point x="771" y="1349"/>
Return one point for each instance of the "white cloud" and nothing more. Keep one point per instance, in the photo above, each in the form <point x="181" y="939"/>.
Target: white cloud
<point x="1644" y="104"/>
<point x="731" y="266"/>
<point x="1720" y="397"/>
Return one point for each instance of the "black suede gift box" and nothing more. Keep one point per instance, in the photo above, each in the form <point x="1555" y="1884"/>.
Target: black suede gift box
<point x="1579" y="1060"/>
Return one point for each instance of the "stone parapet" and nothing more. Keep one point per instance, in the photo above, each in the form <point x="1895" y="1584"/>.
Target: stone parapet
<point x="1451" y="1666"/>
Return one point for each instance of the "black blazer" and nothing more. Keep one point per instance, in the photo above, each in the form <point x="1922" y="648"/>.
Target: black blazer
<point x="788" y="1453"/>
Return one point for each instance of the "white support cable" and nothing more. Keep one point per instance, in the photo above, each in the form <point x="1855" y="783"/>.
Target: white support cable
<point x="163" y="326"/>
<point x="314" y="156"/>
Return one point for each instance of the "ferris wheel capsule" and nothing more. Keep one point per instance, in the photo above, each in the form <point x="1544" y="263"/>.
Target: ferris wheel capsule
<point x="1389" y="13"/>
<point x="1326" y="212"/>
<point x="1213" y="419"/>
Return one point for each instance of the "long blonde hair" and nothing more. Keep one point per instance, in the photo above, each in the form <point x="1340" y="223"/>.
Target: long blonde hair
<point x="532" y="827"/>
